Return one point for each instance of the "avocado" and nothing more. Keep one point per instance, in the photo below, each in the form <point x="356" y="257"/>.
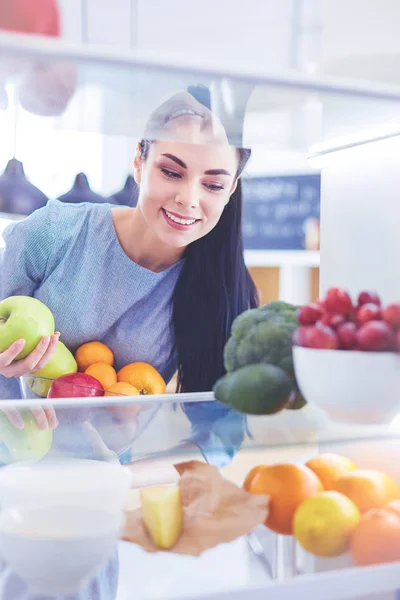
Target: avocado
<point x="297" y="401"/>
<point x="259" y="389"/>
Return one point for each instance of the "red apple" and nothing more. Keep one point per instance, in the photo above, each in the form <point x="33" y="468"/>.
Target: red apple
<point x="338" y="301"/>
<point x="301" y="336"/>
<point x="333" y="320"/>
<point x="376" y="336"/>
<point x="322" y="337"/>
<point x="347" y="335"/>
<point x="391" y="315"/>
<point x="368" y="312"/>
<point x="309" y="314"/>
<point x="75" y="385"/>
<point x="368" y="298"/>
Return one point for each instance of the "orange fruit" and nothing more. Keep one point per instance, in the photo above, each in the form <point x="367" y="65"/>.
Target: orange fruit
<point x="93" y="352"/>
<point x="250" y="476"/>
<point x="104" y="373"/>
<point x="127" y="413"/>
<point x="329" y="467"/>
<point x="287" y="486"/>
<point x="376" y="539"/>
<point x="126" y="389"/>
<point x="368" y="488"/>
<point x="143" y="377"/>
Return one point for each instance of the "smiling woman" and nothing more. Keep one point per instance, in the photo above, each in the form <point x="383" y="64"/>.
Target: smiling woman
<point x="160" y="283"/>
<point x="180" y="191"/>
<point x="190" y="199"/>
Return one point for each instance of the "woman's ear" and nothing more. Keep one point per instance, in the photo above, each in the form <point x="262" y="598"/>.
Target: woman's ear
<point x="137" y="164"/>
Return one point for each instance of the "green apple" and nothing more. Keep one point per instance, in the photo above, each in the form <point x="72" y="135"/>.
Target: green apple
<point x="61" y="363"/>
<point x="27" y="318"/>
<point x="28" y="444"/>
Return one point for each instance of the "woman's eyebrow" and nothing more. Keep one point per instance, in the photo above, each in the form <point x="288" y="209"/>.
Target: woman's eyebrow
<point x="217" y="172"/>
<point x="176" y="159"/>
<point x="184" y="166"/>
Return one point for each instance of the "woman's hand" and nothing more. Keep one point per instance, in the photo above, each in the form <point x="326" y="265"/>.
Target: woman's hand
<point x="35" y="361"/>
<point x="45" y="418"/>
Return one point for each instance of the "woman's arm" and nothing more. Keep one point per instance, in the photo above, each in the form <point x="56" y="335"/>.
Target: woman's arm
<point x="23" y="264"/>
<point x="25" y="255"/>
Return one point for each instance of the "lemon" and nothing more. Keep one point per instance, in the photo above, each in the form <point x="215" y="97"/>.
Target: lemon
<point x="323" y="524"/>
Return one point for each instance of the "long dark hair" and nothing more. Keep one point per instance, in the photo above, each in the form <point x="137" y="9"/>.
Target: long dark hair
<point x="213" y="288"/>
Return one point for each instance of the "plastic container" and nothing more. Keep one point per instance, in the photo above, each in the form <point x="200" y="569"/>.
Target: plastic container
<point x="57" y="550"/>
<point x="95" y="485"/>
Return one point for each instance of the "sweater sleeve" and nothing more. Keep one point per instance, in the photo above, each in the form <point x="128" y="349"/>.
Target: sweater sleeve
<point x="25" y="255"/>
<point x="217" y="430"/>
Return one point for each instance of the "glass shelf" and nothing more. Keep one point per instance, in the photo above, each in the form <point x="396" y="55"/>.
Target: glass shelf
<point x="103" y="90"/>
<point x="102" y="428"/>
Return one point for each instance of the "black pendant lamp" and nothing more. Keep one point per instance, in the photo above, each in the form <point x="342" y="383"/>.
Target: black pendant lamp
<point x="81" y="192"/>
<point x="17" y="194"/>
<point x="129" y="194"/>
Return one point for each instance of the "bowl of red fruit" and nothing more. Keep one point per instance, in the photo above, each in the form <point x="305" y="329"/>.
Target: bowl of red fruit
<point x="347" y="356"/>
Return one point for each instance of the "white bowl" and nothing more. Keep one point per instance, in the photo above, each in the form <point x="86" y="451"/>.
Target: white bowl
<point x="57" y="550"/>
<point x="351" y="387"/>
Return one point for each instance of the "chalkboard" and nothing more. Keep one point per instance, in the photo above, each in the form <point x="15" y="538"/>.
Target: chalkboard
<point x="278" y="211"/>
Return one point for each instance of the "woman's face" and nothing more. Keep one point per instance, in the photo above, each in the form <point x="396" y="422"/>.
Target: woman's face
<point x="184" y="187"/>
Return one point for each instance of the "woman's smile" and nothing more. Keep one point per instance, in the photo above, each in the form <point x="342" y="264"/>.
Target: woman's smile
<point x="179" y="222"/>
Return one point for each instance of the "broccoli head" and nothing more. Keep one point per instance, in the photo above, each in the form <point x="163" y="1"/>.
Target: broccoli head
<point x="262" y="335"/>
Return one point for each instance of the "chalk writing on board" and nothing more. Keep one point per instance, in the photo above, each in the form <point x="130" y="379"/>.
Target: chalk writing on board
<point x="278" y="211"/>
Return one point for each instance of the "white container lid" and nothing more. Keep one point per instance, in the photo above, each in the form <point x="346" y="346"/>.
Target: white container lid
<point x="94" y="484"/>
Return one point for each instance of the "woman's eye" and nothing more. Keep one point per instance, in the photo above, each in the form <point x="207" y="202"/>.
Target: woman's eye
<point x="171" y="174"/>
<point x="214" y="187"/>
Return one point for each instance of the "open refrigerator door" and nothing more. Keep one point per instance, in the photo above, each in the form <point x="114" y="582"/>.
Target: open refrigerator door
<point x="66" y="494"/>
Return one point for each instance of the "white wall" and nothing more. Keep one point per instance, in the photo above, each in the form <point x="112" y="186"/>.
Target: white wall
<point x="359" y="27"/>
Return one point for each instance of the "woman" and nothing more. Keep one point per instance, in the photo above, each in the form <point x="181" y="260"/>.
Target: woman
<point x="159" y="283"/>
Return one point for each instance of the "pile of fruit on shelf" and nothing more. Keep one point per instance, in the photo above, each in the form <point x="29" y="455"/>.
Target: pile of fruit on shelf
<point x="94" y="375"/>
<point x="332" y="507"/>
<point x="88" y="372"/>
<point x="336" y="323"/>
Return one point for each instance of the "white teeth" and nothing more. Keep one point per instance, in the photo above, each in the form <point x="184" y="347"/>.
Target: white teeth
<point x="181" y="221"/>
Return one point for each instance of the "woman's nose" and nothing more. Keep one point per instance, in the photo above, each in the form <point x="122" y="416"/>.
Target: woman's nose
<point x="189" y="198"/>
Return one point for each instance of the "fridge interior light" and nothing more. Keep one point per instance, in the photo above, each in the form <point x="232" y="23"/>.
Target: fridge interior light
<point x="322" y="154"/>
